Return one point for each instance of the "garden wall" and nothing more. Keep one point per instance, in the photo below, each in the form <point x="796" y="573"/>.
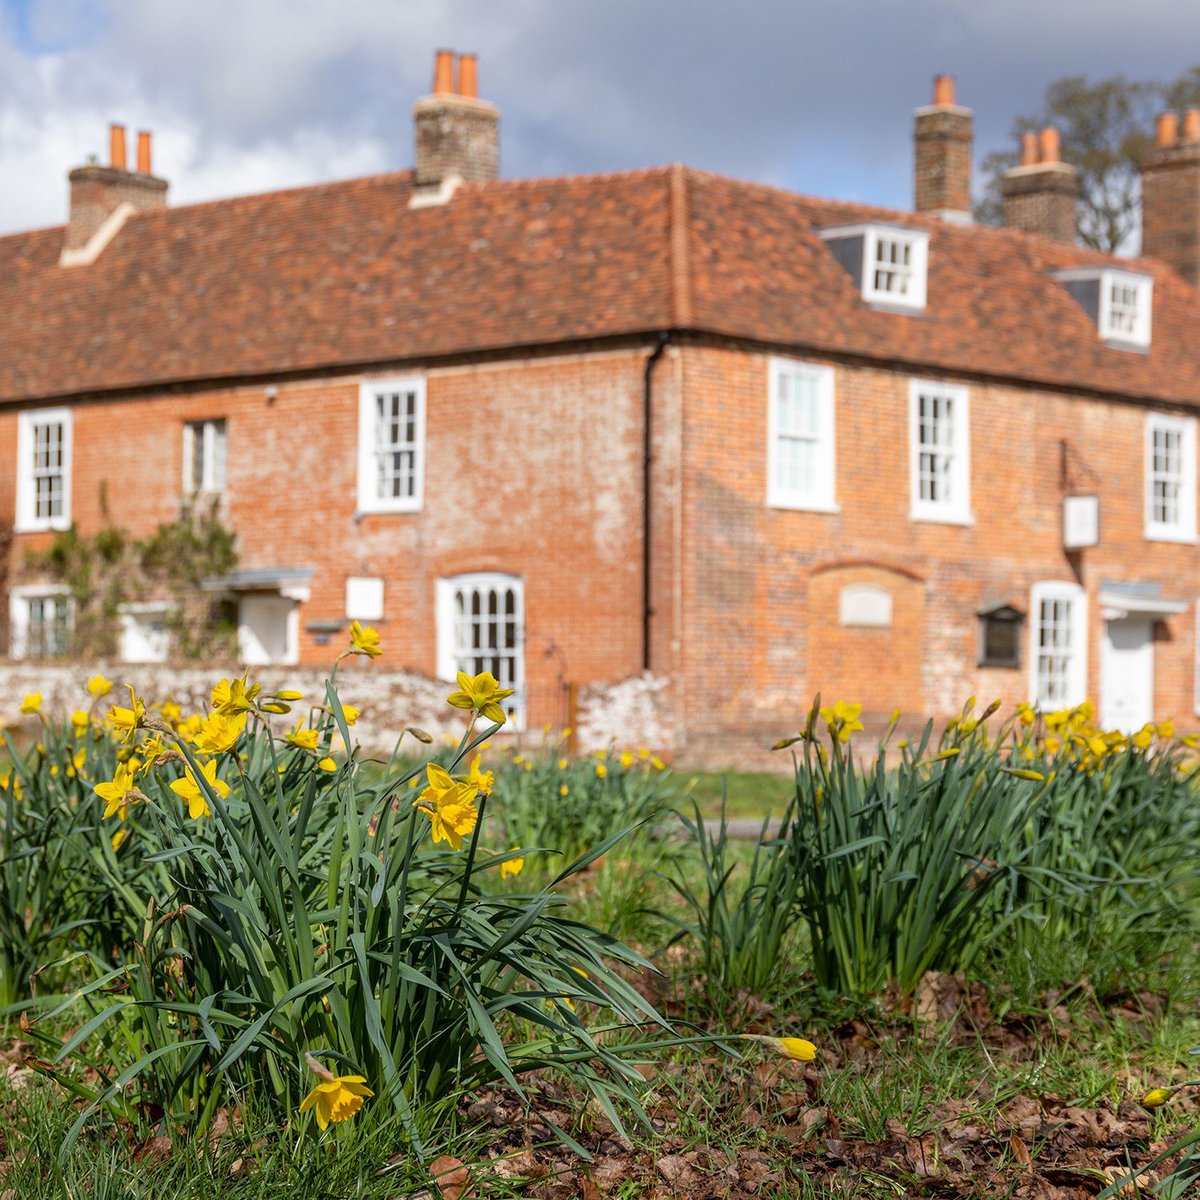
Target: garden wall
<point x="632" y="712"/>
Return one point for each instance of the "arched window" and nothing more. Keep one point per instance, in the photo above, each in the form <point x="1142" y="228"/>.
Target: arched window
<point x="481" y="627"/>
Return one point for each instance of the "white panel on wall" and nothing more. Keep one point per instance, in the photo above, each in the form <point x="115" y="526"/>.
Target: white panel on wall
<point x="364" y="598"/>
<point x="863" y="604"/>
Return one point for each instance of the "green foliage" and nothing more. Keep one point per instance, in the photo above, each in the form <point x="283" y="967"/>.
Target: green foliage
<point x="108" y="569"/>
<point x="1107" y="129"/>
<point x="569" y="805"/>
<point x="309" y="914"/>
<point x="896" y="866"/>
<point x="741" y="926"/>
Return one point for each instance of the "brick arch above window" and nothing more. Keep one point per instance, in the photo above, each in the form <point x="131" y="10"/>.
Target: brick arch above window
<point x="841" y="564"/>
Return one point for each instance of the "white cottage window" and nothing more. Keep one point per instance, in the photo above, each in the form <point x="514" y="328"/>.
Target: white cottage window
<point x="481" y="627"/>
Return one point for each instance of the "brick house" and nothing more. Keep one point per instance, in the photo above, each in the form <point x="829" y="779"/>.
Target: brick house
<point x="747" y="443"/>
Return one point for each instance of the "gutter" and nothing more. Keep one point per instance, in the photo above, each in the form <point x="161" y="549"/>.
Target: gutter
<point x="664" y="339"/>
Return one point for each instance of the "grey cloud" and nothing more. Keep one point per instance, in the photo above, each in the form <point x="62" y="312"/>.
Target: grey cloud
<point x="815" y="95"/>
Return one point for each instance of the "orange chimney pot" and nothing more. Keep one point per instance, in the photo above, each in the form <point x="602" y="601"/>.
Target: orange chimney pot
<point x="1050" y="145"/>
<point x="1166" y="129"/>
<point x="468" y="78"/>
<point x="443" y="73"/>
<point x="943" y="91"/>
<point x="1191" y="125"/>
<point x="116" y="146"/>
<point x="143" y="152"/>
<point x="1029" y="149"/>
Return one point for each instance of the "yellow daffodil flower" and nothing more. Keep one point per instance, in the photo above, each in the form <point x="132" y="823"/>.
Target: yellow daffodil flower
<point x="125" y="721"/>
<point x="219" y="733"/>
<point x="350" y="713"/>
<point x="1166" y="729"/>
<point x="1157" y="1097"/>
<point x="481" y="781"/>
<point x="327" y="764"/>
<point x="601" y="770"/>
<point x="233" y="696"/>
<point x="305" y="739"/>
<point x="482" y="693"/>
<point x="188" y="789"/>
<point x="842" y="719"/>
<point x="512" y="867"/>
<point x="790" y="1047"/>
<point x="32" y="703"/>
<point x="364" y="640"/>
<point x="79" y="722"/>
<point x="172" y="713"/>
<point x="626" y="759"/>
<point x="10" y="780"/>
<point x="119" y="793"/>
<point x="98" y="686"/>
<point x="336" y="1098"/>
<point x="449" y="805"/>
<point x="118" y="839"/>
<point x="189" y="727"/>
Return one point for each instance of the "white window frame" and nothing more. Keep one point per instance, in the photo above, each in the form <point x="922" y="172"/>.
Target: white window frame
<point x="369" y="500"/>
<point x="213" y="431"/>
<point x="1184" y="529"/>
<point x="957" y="509"/>
<point x="448" y="663"/>
<point x="27" y="520"/>
<point x="1056" y="591"/>
<point x="1143" y="288"/>
<point x="819" y="498"/>
<point x="20" y="600"/>
<point x="872" y="235"/>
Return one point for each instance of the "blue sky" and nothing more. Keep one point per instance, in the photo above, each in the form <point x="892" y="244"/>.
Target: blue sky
<point x="816" y="95"/>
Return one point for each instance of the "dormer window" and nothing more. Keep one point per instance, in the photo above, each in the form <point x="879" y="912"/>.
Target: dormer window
<point x="886" y="261"/>
<point x="1118" y="301"/>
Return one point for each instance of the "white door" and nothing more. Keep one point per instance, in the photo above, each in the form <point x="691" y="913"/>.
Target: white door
<point x="1127" y="674"/>
<point x="267" y="628"/>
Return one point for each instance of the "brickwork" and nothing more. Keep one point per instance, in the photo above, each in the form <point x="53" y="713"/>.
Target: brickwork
<point x="533" y="468"/>
<point x="942" y="144"/>
<point x="1171" y="208"/>
<point x="1041" y="199"/>
<point x="456" y="135"/>
<point x="96" y="192"/>
<point x="761" y="585"/>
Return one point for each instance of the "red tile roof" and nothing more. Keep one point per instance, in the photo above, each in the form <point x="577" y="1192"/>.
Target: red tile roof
<point x="346" y="275"/>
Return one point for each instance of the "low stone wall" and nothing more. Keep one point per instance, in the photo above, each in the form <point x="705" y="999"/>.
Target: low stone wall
<point x="633" y="712"/>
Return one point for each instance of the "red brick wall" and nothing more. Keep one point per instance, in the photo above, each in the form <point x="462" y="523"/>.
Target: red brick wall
<point x="532" y="468"/>
<point x="760" y="626"/>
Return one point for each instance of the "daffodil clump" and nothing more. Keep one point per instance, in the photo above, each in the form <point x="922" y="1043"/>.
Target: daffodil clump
<point x="925" y="850"/>
<point x="229" y="905"/>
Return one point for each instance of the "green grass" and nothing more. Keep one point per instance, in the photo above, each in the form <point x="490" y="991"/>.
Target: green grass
<point x="751" y="794"/>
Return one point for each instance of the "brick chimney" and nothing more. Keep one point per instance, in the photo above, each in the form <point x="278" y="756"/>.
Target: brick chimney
<point x="942" y="135"/>
<point x="1040" y="195"/>
<point x="456" y="134"/>
<point x="102" y="197"/>
<point x="1171" y="195"/>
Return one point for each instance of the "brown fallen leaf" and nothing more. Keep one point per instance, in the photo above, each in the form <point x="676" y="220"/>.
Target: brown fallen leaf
<point x="1020" y="1151"/>
<point x="452" y="1178"/>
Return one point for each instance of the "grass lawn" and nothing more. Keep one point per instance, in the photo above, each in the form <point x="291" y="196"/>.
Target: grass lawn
<point x="748" y="794"/>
